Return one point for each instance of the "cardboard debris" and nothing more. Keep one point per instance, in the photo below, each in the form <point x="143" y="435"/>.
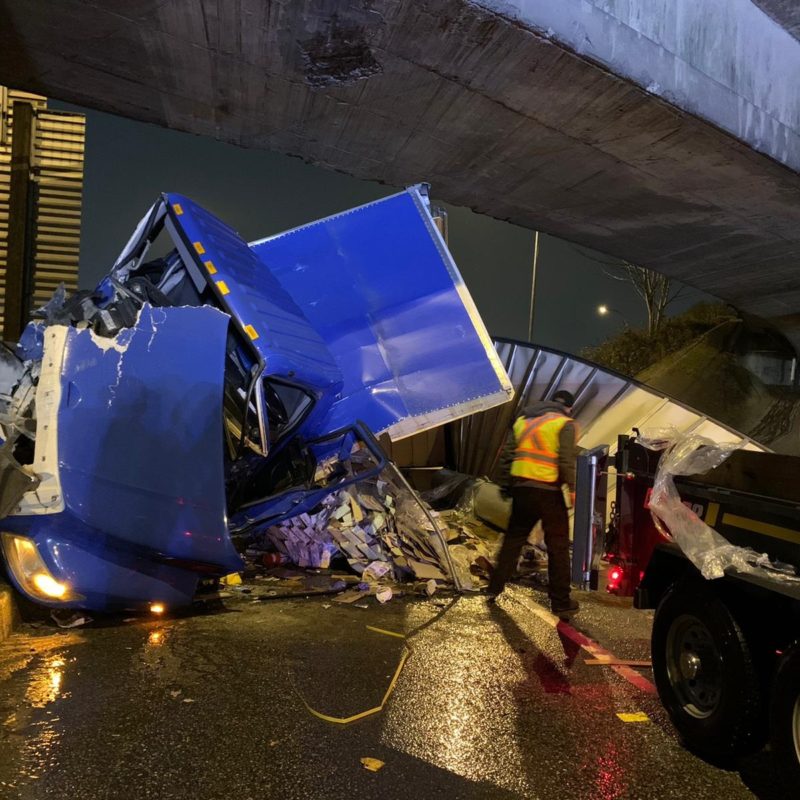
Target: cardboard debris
<point x="350" y="597"/>
<point x="373" y="764"/>
<point x="383" y="531"/>
<point x="383" y="595"/>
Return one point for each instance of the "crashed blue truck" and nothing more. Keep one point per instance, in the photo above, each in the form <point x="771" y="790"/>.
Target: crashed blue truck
<point x="224" y="387"/>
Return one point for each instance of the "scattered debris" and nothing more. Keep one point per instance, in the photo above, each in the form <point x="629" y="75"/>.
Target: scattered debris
<point x="350" y="597"/>
<point x="69" y="619"/>
<point x="388" y="535"/>
<point x="385" y="632"/>
<point x="373" y="764"/>
<point x="636" y="716"/>
<point x="370" y="711"/>
<point x="383" y="595"/>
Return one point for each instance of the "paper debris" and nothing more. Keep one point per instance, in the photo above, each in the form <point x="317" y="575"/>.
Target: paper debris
<point x="385" y="533"/>
<point x="373" y="764"/>
<point x="430" y="587"/>
<point x="383" y="595"/>
<point x="69" y="619"/>
<point x="375" y="571"/>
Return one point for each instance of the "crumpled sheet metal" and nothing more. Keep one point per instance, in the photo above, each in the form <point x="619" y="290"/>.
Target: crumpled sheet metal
<point x="708" y="550"/>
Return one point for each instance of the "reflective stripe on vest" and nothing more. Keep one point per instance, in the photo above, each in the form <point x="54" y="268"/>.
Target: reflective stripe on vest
<point x="536" y="454"/>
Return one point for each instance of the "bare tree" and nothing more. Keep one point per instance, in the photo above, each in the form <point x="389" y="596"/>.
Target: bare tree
<point x="657" y="290"/>
<point x="654" y="288"/>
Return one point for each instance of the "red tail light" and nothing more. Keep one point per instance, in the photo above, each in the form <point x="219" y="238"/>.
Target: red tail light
<point x="615" y="576"/>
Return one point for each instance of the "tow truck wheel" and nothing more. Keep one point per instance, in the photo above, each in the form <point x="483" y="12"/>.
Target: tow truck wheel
<point x="705" y="674"/>
<point x="785" y="718"/>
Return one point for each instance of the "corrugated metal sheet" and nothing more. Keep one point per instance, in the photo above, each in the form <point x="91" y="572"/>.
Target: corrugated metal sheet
<point x="57" y="172"/>
<point x="606" y="404"/>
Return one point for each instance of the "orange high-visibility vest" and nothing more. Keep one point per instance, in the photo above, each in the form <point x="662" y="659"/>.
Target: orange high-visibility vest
<point x="536" y="454"/>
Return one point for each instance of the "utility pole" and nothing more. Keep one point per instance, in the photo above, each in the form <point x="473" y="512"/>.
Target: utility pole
<point x="533" y="283"/>
<point x="21" y="225"/>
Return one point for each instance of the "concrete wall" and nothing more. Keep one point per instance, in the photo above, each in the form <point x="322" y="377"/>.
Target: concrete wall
<point x="725" y="61"/>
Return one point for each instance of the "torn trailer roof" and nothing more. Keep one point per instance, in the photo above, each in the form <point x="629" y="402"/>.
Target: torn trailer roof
<point x="224" y="386"/>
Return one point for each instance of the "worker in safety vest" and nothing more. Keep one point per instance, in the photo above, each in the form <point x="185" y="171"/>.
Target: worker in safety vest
<point x="539" y="458"/>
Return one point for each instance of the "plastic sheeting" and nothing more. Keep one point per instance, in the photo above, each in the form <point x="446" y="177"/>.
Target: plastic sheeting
<point x="708" y="550"/>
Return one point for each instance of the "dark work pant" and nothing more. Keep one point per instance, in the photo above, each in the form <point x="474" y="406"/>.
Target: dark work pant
<point x="529" y="505"/>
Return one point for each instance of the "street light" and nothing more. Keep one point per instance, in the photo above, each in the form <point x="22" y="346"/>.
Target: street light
<point x="603" y="310"/>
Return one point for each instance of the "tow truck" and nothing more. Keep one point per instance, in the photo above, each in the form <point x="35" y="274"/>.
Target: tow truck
<point x="725" y="651"/>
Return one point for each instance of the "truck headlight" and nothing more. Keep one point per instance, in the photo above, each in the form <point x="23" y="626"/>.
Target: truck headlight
<point x="30" y="571"/>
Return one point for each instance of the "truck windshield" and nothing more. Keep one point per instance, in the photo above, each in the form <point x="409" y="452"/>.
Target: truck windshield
<point x="287" y="405"/>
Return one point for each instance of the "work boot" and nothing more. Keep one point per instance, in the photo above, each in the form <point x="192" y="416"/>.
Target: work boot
<point x="565" y="613"/>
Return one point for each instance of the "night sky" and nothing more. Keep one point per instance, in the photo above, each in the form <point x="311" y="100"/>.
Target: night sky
<point x="260" y="193"/>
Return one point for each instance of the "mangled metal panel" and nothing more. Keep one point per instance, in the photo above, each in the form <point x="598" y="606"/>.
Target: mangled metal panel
<point x="136" y="449"/>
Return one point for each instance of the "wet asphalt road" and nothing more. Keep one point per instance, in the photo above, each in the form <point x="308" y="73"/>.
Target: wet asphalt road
<point x="491" y="703"/>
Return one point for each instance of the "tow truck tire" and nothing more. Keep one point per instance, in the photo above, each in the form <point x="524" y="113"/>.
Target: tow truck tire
<point x="705" y="674"/>
<point x="785" y="719"/>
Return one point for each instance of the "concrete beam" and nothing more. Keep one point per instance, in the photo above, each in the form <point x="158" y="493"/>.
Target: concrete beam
<point x="785" y="12"/>
<point x="546" y="126"/>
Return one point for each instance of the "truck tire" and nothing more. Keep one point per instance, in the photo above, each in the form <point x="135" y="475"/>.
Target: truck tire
<point x="705" y="674"/>
<point x="785" y="718"/>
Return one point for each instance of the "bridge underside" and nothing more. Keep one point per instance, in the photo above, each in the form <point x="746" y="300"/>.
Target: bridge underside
<point x="495" y="116"/>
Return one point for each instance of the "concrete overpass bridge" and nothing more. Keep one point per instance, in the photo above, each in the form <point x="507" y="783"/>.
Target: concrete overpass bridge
<point x="666" y="132"/>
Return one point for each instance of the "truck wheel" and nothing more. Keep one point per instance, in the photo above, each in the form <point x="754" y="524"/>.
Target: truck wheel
<point x="704" y="673"/>
<point x="785" y="718"/>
